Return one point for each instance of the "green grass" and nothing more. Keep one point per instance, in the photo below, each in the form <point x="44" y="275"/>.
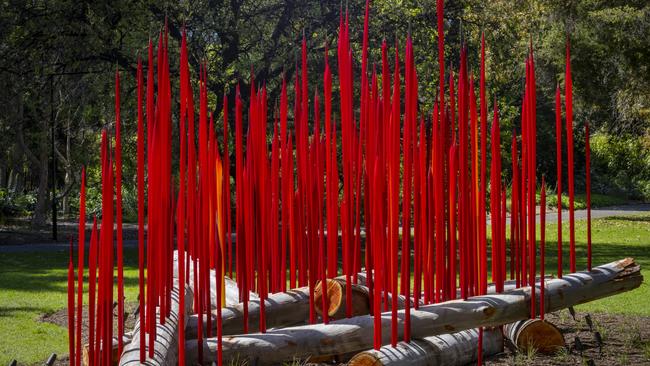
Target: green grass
<point x="612" y="238"/>
<point x="33" y="284"/>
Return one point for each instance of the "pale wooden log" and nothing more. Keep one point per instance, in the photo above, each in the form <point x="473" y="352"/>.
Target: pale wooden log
<point x="282" y="309"/>
<point x="541" y="335"/>
<point x="337" y="302"/>
<point x="166" y="342"/>
<point x="356" y="334"/>
<point x="231" y="288"/>
<point x="454" y="349"/>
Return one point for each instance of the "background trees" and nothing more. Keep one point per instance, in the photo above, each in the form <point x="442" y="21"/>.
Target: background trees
<point x="72" y="48"/>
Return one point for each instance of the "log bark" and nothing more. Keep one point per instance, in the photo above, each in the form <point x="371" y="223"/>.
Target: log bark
<point x="166" y="342"/>
<point x="336" y="297"/>
<point x="454" y="349"/>
<point x="356" y="334"/>
<point x="538" y="334"/>
<point x="231" y="288"/>
<point x="283" y="309"/>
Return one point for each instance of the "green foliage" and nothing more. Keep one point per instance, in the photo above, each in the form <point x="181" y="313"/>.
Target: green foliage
<point x="15" y="204"/>
<point x="86" y="42"/>
<point x="580" y="201"/>
<point x="622" y="164"/>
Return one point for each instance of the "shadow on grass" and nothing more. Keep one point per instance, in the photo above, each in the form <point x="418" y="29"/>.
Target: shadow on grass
<point x="47" y="271"/>
<point x="641" y="218"/>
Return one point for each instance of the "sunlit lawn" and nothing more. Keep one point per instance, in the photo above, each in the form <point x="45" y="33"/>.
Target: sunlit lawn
<point x="33" y="284"/>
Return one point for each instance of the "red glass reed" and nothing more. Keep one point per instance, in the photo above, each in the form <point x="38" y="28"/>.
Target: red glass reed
<point x="80" y="266"/>
<point x="71" y="304"/>
<point x="141" y="213"/>
<point x="588" y="188"/>
<point x="568" y="100"/>
<point x="542" y="244"/>
<point x="118" y="191"/>
<point x="483" y="181"/>
<point x="92" y="281"/>
<point x="495" y="200"/>
<point x="558" y="159"/>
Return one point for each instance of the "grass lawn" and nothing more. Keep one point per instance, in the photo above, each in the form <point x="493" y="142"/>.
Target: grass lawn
<point x="612" y="238"/>
<point x="33" y="284"/>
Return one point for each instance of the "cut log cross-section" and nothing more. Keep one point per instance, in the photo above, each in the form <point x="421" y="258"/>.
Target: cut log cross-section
<point x="356" y="334"/>
<point x="336" y="290"/>
<point x="537" y="334"/>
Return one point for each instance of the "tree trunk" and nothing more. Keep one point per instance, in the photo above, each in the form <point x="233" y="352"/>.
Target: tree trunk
<point x="39" y="164"/>
<point x="454" y="349"/>
<point x="356" y="334"/>
<point x="40" y="210"/>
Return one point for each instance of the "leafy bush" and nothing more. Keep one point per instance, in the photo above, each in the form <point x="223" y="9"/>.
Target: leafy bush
<point x="621" y="165"/>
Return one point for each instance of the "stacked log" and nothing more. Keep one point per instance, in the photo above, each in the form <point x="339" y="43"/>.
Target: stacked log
<point x="356" y="334"/>
<point x="283" y="309"/>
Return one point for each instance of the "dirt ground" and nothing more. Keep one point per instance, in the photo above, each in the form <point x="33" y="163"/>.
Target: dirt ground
<point x="60" y="318"/>
<point x="18" y="231"/>
<point x="625" y="341"/>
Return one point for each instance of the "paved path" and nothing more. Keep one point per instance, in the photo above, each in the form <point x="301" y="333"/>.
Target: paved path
<point x="609" y="211"/>
<point x="622" y="210"/>
<point x="551" y="217"/>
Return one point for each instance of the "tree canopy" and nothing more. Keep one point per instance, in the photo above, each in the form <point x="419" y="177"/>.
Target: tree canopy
<point x="69" y="50"/>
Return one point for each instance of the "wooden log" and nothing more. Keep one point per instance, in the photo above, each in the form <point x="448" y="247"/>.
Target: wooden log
<point x="356" y="334"/>
<point x="231" y="288"/>
<point x="336" y="297"/>
<point x="454" y="349"/>
<point x="166" y="343"/>
<point x="283" y="309"/>
<point x="541" y="335"/>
